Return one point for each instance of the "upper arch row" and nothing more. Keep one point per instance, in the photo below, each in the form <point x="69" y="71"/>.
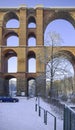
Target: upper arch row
<point x="39" y="19"/>
<point x="48" y="16"/>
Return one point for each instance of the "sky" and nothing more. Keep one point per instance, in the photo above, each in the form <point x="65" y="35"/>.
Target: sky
<point x="32" y="3"/>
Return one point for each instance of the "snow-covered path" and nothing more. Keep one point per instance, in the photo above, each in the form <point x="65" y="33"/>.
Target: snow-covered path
<point x="21" y="116"/>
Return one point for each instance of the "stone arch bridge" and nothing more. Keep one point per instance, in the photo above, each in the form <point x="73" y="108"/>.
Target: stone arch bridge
<point x="41" y="17"/>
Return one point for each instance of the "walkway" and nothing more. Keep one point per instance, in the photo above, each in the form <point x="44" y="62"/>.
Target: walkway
<point x="21" y="116"/>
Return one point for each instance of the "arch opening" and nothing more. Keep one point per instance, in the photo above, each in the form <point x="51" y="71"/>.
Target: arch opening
<point x="31" y="87"/>
<point x="32" y="41"/>
<point x="13" y="41"/>
<point x="9" y="58"/>
<point x="31" y="62"/>
<point x="12" y="87"/>
<point x="31" y="22"/>
<point x="11" y="19"/>
<point x="59" y="26"/>
<point x="12" y="68"/>
<point x="59" y="76"/>
<point x="13" y="23"/>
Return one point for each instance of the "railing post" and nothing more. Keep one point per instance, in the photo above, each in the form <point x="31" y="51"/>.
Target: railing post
<point x="46" y="117"/>
<point x="55" y="123"/>
<point x="67" y="118"/>
<point x="39" y="111"/>
<point x="35" y="107"/>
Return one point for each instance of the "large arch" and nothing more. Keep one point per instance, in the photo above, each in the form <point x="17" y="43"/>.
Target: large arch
<point x="57" y="26"/>
<point x="69" y="55"/>
<point x="60" y="69"/>
<point x="58" y="15"/>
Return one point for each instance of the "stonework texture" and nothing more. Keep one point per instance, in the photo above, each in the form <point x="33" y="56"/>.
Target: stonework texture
<point x="41" y="17"/>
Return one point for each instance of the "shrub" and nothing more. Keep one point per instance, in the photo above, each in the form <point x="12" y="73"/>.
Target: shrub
<point x="64" y="97"/>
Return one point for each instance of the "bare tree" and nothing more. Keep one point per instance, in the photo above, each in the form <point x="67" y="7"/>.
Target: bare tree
<point x="54" y="60"/>
<point x="60" y="71"/>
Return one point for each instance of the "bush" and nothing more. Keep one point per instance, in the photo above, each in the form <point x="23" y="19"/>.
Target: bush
<point x="72" y="98"/>
<point x="64" y="97"/>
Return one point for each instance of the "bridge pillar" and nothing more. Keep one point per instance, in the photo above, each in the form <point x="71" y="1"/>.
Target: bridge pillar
<point x="21" y="84"/>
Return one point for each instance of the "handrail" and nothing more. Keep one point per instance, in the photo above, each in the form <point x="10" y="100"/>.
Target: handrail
<point x="46" y="112"/>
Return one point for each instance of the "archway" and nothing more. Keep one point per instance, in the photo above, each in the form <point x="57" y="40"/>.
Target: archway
<point x="60" y="73"/>
<point x="59" y="26"/>
<point x="10" y="85"/>
<point x="10" y="56"/>
<point x="10" y="19"/>
<point x="31" y="22"/>
<point x="31" y="40"/>
<point x="13" y="41"/>
<point x="31" y="87"/>
<point x="31" y="62"/>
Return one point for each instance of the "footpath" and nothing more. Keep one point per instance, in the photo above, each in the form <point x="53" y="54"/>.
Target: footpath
<point x="22" y="116"/>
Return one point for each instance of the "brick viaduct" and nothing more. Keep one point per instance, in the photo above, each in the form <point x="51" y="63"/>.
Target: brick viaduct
<point x="41" y="17"/>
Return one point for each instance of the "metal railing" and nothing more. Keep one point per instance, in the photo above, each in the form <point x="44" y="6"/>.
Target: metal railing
<point x="46" y="116"/>
<point x="69" y="118"/>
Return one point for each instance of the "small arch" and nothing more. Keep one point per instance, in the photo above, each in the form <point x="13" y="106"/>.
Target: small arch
<point x="31" y="87"/>
<point x="10" y="15"/>
<point x="13" y="23"/>
<point x="31" y="22"/>
<point x="10" y="85"/>
<point x="31" y="62"/>
<point x="11" y="39"/>
<point x="10" y="57"/>
<point x="12" y="68"/>
<point x="31" y="39"/>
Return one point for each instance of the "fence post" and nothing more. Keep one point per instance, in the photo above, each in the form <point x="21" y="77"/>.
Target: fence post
<point x="46" y="117"/>
<point x="39" y="111"/>
<point x="35" y="107"/>
<point x="55" y="123"/>
<point x="67" y="119"/>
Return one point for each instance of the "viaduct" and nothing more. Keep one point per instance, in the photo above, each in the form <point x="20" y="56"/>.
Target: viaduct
<point x="41" y="17"/>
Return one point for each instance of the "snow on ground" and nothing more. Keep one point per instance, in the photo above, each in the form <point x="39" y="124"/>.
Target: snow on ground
<point x="22" y="116"/>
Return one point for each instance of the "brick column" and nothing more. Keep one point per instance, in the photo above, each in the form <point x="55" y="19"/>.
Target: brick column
<point x="22" y="30"/>
<point x="39" y="24"/>
<point x="0" y="45"/>
<point x="21" y="84"/>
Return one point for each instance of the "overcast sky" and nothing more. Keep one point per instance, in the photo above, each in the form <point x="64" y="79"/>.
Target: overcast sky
<point x="31" y="3"/>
